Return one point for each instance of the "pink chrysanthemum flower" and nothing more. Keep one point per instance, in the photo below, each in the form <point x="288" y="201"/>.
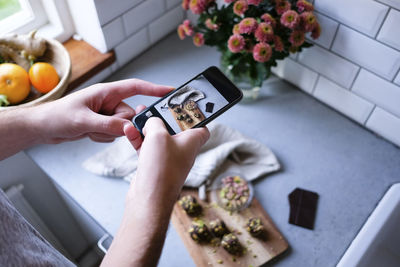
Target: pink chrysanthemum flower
<point x="254" y="2"/>
<point x="235" y="29"/>
<point x="240" y="7"/>
<point x="187" y="27"/>
<point x="247" y="25"/>
<point x="262" y="52"/>
<point x="296" y="38"/>
<point x="308" y="20"/>
<point x="264" y="32"/>
<point x="290" y="19"/>
<point x="211" y="25"/>
<point x="269" y="19"/>
<point x="197" y="6"/>
<point x="185" y="4"/>
<point x="278" y="43"/>
<point x="316" y="31"/>
<point x="282" y="6"/>
<point x="303" y="5"/>
<point x="198" y="39"/>
<point x="181" y="32"/>
<point x="236" y="43"/>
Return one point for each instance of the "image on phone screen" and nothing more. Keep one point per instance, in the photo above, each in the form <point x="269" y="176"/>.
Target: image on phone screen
<point x="190" y="104"/>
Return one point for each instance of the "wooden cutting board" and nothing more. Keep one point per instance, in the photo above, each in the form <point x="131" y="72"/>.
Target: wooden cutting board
<point x="259" y="251"/>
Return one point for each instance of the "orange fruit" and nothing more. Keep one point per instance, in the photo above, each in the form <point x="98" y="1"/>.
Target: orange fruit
<point x="43" y="77"/>
<point x="14" y="82"/>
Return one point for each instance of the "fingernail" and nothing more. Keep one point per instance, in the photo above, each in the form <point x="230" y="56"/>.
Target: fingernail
<point x="126" y="125"/>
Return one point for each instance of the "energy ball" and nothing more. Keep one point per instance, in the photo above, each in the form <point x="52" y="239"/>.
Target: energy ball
<point x="231" y="243"/>
<point x="199" y="232"/>
<point x="190" y="205"/>
<point x="255" y="227"/>
<point x="218" y="228"/>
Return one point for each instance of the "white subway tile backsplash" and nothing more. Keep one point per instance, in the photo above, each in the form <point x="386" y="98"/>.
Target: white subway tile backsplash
<point x="397" y="80"/>
<point x="110" y="9"/>
<point x="390" y="31"/>
<point x="330" y="65"/>
<point x="172" y="3"/>
<point x="113" y="33"/>
<point x="343" y="100"/>
<point x="392" y="3"/>
<point x="378" y="91"/>
<point x="364" y="15"/>
<point x="368" y="53"/>
<point x="385" y="124"/>
<point x="165" y="24"/>
<point x="132" y="47"/>
<point x="142" y="15"/>
<point x="329" y="28"/>
<point x="297" y="74"/>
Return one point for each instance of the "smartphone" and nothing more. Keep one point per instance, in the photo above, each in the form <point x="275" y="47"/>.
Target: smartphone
<point x="194" y="104"/>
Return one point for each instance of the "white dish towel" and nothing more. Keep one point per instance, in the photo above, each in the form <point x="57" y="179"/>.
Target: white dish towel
<point x="227" y="151"/>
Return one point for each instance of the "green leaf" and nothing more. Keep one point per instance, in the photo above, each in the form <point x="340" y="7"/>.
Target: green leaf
<point x="3" y="101"/>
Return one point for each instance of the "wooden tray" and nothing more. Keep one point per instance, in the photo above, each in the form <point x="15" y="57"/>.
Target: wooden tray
<point x="259" y="251"/>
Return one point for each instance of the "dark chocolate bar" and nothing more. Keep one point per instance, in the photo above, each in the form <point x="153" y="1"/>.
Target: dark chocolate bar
<point x="209" y="107"/>
<point x="303" y="207"/>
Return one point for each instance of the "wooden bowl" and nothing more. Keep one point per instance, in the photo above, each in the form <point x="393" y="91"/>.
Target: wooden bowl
<point x="58" y="56"/>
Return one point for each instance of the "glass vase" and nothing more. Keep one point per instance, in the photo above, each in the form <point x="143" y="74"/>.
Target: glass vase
<point x="251" y="90"/>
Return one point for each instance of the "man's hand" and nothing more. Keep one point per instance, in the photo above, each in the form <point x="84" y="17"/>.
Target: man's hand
<point x="97" y="112"/>
<point x="164" y="163"/>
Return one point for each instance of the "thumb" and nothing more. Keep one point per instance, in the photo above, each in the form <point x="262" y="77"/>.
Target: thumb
<point x="110" y="125"/>
<point x="194" y="138"/>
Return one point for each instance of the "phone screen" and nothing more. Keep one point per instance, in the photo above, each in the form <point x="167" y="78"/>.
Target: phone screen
<point x="193" y="104"/>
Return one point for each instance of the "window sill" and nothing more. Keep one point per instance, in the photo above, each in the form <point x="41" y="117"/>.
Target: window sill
<point x="86" y="62"/>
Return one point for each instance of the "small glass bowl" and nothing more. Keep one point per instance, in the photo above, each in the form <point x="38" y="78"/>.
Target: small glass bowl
<point x="234" y="195"/>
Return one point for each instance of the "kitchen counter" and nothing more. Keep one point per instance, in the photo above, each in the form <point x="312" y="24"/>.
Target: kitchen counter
<point x="319" y="149"/>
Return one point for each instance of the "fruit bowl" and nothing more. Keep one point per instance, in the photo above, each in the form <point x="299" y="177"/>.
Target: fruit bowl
<point x="58" y="56"/>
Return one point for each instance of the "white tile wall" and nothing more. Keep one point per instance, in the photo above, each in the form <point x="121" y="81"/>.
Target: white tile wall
<point x="110" y="9"/>
<point x="329" y="27"/>
<point x="390" y="32"/>
<point x="173" y="3"/>
<point x="143" y="14"/>
<point x="332" y="66"/>
<point x="367" y="52"/>
<point x="365" y="16"/>
<point x="132" y="47"/>
<point x="341" y="99"/>
<point x="392" y="3"/>
<point x="165" y="24"/>
<point x="397" y="80"/>
<point x="385" y="124"/>
<point x="378" y="91"/>
<point x="113" y="33"/>
<point x="295" y="73"/>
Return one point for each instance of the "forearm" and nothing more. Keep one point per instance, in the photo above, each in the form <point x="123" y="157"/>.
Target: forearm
<point x="18" y="131"/>
<point x="141" y="235"/>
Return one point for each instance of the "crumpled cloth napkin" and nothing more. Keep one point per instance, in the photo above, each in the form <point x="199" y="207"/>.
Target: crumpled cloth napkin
<point x="227" y="151"/>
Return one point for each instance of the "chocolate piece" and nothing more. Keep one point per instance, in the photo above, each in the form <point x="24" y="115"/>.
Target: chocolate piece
<point x="231" y="243"/>
<point x="178" y="110"/>
<point x="197" y="115"/>
<point x="209" y="107"/>
<point x="199" y="232"/>
<point x="303" y="207"/>
<point x="180" y="117"/>
<point x="218" y="228"/>
<point x="255" y="227"/>
<point x="191" y="105"/>
<point x="189" y="120"/>
<point x="190" y="205"/>
<point x="235" y="193"/>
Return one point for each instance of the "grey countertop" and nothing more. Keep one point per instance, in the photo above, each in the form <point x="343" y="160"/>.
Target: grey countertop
<point x="319" y="149"/>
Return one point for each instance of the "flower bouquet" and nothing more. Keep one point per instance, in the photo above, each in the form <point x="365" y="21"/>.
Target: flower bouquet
<point x="251" y="34"/>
